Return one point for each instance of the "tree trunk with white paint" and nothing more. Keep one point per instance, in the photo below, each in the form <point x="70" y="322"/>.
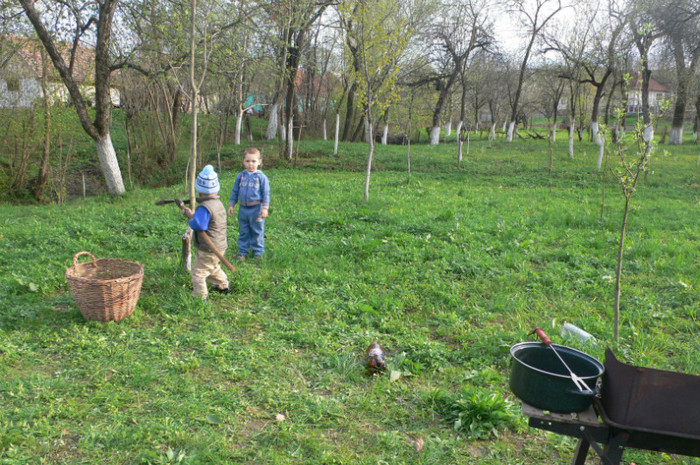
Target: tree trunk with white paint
<point x="435" y="136"/>
<point x="675" y="137"/>
<point x="325" y="131"/>
<point x="492" y="134"/>
<point x="283" y="132"/>
<point x="385" y="134"/>
<point x="239" y="124"/>
<point x="408" y="146"/>
<point x="599" y="140"/>
<point x="110" y="165"/>
<point x="271" y="131"/>
<point x="601" y="152"/>
<point x="572" y="130"/>
<point x="511" y="128"/>
<point x="468" y="141"/>
<point x="460" y="143"/>
<point x="337" y="134"/>
<point x="290" y="137"/>
<point x="370" y="159"/>
<point x="460" y="123"/>
<point x="595" y="132"/>
<point x="448" y="128"/>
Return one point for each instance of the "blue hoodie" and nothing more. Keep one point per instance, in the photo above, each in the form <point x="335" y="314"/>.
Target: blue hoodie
<point x="251" y="189"/>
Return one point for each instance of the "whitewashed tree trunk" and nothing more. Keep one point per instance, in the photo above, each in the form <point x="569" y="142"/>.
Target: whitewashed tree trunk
<point x="325" y="131"/>
<point x="448" y="128"/>
<point x="110" y="165"/>
<point x="571" y="140"/>
<point x="595" y="131"/>
<point x="675" y="137"/>
<point x="385" y="134"/>
<point x="408" y="149"/>
<point x="283" y="132"/>
<point x="370" y="159"/>
<point x="492" y="135"/>
<point x="505" y="122"/>
<point x="435" y="136"/>
<point x="460" y="155"/>
<point x="554" y="132"/>
<point x="272" y="123"/>
<point x="290" y="135"/>
<point x="337" y="134"/>
<point x="695" y="136"/>
<point x="648" y="134"/>
<point x="239" y="125"/>
<point x="459" y="128"/>
<point x="601" y="152"/>
<point x="511" y="127"/>
<point x="368" y="131"/>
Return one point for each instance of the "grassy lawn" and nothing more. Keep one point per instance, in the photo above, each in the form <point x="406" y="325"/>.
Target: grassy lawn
<point x="447" y="270"/>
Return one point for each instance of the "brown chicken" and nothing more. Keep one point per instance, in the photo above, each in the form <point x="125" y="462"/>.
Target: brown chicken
<point x="375" y="355"/>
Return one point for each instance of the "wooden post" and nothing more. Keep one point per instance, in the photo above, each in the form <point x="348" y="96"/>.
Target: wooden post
<point x="187" y="250"/>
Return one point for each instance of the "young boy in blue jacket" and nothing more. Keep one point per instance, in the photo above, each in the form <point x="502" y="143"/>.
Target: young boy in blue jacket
<point x="209" y="217"/>
<point x="251" y="191"/>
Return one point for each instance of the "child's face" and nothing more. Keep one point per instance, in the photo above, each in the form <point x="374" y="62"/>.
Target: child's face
<point x="251" y="162"/>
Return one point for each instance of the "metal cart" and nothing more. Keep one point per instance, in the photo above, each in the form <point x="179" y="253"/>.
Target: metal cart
<point x="640" y="408"/>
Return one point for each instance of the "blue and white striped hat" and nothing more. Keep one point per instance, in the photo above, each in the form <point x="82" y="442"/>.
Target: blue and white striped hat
<point x="208" y="181"/>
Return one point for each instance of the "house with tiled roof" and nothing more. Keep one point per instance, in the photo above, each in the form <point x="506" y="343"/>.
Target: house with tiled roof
<point x="19" y="82"/>
<point x="658" y="93"/>
<point x="24" y="64"/>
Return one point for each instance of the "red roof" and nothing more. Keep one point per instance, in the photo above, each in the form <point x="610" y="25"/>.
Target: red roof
<point x="654" y="85"/>
<point x="30" y="50"/>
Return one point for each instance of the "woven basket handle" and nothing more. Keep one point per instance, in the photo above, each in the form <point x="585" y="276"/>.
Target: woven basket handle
<point x="75" y="259"/>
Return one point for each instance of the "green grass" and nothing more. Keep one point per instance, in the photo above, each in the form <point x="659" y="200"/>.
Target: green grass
<point x="446" y="271"/>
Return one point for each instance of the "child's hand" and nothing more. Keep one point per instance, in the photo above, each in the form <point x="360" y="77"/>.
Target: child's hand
<point x="187" y="212"/>
<point x="263" y="213"/>
<point x="230" y="210"/>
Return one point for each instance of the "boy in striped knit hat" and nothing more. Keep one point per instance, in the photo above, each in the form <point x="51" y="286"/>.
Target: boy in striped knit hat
<point x="209" y="217"/>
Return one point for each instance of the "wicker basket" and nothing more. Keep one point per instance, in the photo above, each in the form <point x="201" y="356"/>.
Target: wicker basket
<point x="106" y="289"/>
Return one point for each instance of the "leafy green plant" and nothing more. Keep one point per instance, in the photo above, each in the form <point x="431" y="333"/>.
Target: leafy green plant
<point x="477" y="414"/>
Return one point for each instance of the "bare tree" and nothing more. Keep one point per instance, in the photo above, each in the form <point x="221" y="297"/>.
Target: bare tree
<point x="590" y="54"/>
<point x="679" y="21"/>
<point x="462" y="28"/>
<point x="302" y="15"/>
<point x="644" y="33"/>
<point x="535" y="15"/>
<point x="88" y="20"/>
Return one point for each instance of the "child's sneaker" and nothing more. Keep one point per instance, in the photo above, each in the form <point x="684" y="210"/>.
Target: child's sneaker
<point x="240" y="257"/>
<point x="221" y="290"/>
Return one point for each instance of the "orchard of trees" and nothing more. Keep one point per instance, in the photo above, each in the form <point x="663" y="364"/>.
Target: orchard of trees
<point x="349" y="70"/>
